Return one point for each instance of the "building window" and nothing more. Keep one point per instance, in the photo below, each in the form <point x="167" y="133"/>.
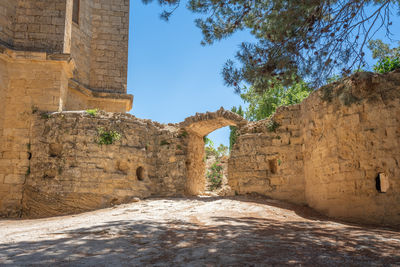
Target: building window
<point x="75" y="11"/>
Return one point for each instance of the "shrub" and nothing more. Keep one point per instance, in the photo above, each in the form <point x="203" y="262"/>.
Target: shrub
<point x="183" y="134"/>
<point x="108" y="137"/>
<point x="45" y="115"/>
<point x="272" y="125"/>
<point x="92" y="112"/>
<point x="164" y="143"/>
<point x="387" y="64"/>
<point x="214" y="175"/>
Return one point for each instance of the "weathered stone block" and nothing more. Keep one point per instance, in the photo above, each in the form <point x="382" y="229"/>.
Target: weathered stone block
<point x="14" y="179"/>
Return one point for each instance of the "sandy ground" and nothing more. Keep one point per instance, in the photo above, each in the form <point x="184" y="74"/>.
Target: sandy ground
<point x="236" y="231"/>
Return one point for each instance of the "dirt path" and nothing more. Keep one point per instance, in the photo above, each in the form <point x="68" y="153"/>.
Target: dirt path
<point x="196" y="232"/>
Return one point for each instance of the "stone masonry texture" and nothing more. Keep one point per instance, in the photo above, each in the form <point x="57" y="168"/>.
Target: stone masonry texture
<point x="98" y="43"/>
<point x="328" y="151"/>
<point x="338" y="151"/>
<point x="45" y="66"/>
<point x="70" y="171"/>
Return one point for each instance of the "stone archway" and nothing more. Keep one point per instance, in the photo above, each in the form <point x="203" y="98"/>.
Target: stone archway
<point x="197" y="127"/>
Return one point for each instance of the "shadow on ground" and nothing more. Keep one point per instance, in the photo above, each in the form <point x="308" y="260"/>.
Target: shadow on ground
<point x="244" y="241"/>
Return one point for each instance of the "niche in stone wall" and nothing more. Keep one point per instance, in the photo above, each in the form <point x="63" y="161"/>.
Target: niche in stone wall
<point x="140" y="173"/>
<point x="382" y="183"/>
<point x="273" y="166"/>
<point x="55" y="150"/>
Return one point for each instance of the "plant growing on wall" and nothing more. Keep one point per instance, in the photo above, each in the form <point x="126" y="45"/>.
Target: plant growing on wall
<point x="92" y="112"/>
<point x="107" y="137"/>
<point x="272" y="125"/>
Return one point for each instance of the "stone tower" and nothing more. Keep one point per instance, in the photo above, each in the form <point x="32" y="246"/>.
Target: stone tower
<point x="90" y="35"/>
<point x="55" y="55"/>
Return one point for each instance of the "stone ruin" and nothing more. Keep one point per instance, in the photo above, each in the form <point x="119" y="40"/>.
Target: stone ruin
<point x="337" y="152"/>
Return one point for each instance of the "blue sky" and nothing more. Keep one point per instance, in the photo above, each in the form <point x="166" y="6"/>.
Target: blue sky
<point x="171" y="75"/>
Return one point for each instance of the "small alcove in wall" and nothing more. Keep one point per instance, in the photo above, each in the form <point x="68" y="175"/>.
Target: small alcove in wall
<point x="382" y="183"/>
<point x="140" y="173"/>
<point x="273" y="166"/>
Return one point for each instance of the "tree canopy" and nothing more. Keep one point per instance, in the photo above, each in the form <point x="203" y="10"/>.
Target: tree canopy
<point x="388" y="58"/>
<point x="311" y="39"/>
<point x="261" y="106"/>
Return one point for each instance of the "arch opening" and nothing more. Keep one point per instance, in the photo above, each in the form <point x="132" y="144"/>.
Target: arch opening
<point x="197" y="127"/>
<point x="216" y="156"/>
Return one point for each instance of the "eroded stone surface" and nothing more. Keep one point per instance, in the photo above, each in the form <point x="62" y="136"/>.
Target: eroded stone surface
<point x="329" y="149"/>
<point x="71" y="172"/>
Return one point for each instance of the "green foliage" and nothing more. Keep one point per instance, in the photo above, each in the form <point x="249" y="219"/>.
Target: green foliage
<point x="107" y="137"/>
<point x="388" y="58"/>
<point x="381" y="51"/>
<point x="164" y="143"/>
<point x="209" y="147"/>
<point x="222" y="150"/>
<point x="272" y="125"/>
<point x="208" y="141"/>
<point x="234" y="132"/>
<point x="308" y="39"/>
<point x="263" y="105"/>
<point x="35" y="109"/>
<point x="210" y="150"/>
<point x="45" y="115"/>
<point x="92" y="112"/>
<point x="214" y="175"/>
<point x="387" y="64"/>
<point x="183" y="134"/>
<point x="215" y="171"/>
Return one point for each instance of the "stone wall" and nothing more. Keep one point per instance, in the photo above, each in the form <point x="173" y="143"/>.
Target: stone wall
<point x="328" y="151"/>
<point x="40" y="25"/>
<point x="28" y="82"/>
<point x="109" y="45"/>
<point x="7" y="21"/>
<point x="351" y="133"/>
<point x="338" y="151"/>
<point x="98" y="43"/>
<point x="80" y="42"/>
<point x="71" y="172"/>
<point x="267" y="158"/>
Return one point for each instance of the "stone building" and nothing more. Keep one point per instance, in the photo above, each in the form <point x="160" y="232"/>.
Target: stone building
<point x="56" y="55"/>
<point x="338" y="151"/>
<point x="84" y="42"/>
